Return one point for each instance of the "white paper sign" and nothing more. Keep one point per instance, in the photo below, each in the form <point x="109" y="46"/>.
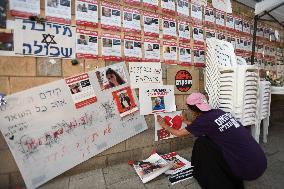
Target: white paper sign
<point x="87" y="13"/>
<point x="46" y="39"/>
<point x="170" y="52"/>
<point x="47" y="135"/>
<point x="184" y="54"/>
<point x="197" y="33"/>
<point x="152" y="50"/>
<point x="220" y="18"/>
<point x="58" y="11"/>
<point x="132" y="48"/>
<point x="157" y="99"/>
<point x="110" y="16"/>
<point x="209" y="15"/>
<point x="111" y="49"/>
<point x="230" y="22"/>
<point x="151" y="25"/>
<point x="183" y="7"/>
<point x="131" y="20"/>
<point x="223" y="5"/>
<point x="143" y="74"/>
<point x="184" y="31"/>
<point x="196" y="12"/>
<point x="24" y="9"/>
<point x="86" y="44"/>
<point x="169" y="28"/>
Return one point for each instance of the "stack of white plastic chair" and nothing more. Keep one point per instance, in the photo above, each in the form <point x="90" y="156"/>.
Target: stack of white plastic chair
<point x="264" y="107"/>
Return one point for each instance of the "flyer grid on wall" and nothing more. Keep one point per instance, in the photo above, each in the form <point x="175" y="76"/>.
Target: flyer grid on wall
<point x="110" y="16"/>
<point x="151" y="24"/>
<point x="111" y="47"/>
<point x="87" y="13"/>
<point x="132" y="48"/>
<point x="24" y="9"/>
<point x="131" y="20"/>
<point x="152" y="51"/>
<point x="58" y="12"/>
<point x="170" y="52"/>
<point x="87" y="44"/>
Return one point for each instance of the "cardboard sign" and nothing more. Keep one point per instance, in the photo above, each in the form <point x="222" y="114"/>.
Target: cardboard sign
<point x="184" y="79"/>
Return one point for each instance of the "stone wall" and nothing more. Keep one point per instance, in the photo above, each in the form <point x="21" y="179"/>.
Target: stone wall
<point x="20" y="73"/>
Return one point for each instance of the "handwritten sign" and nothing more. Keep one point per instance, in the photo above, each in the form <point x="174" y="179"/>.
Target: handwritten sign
<point x="145" y="73"/>
<point x="47" y="135"/>
<point x="46" y="39"/>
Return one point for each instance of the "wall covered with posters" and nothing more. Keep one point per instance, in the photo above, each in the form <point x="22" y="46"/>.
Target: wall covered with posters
<point x="110" y="31"/>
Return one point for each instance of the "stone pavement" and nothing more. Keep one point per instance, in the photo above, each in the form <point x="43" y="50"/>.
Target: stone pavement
<point x="123" y="176"/>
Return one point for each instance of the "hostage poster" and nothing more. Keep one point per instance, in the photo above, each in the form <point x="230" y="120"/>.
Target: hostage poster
<point x="87" y="13"/>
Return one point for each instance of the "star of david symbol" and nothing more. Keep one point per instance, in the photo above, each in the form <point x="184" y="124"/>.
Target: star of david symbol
<point x="48" y="39"/>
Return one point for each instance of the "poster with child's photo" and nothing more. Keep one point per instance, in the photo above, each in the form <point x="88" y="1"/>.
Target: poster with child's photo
<point x="168" y="6"/>
<point x="124" y="101"/>
<point x="199" y="56"/>
<point x="169" y="28"/>
<point x="111" y="76"/>
<point x="209" y="15"/>
<point x="155" y="99"/>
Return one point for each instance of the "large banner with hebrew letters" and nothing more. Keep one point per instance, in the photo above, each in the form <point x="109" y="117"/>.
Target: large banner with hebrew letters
<point x="44" y="39"/>
<point x="54" y="127"/>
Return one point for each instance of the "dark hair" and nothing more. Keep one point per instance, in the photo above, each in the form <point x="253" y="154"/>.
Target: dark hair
<point x="118" y="78"/>
<point x="194" y="108"/>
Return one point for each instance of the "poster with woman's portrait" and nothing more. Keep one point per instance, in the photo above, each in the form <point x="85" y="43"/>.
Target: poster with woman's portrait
<point x="168" y="6"/>
<point x="81" y="90"/>
<point x="157" y="99"/>
<point x="24" y="9"/>
<point x="111" y="76"/>
<point x="110" y="16"/>
<point x="209" y="15"/>
<point x="124" y="101"/>
<point x="152" y="4"/>
<point x="185" y="55"/>
<point x="151" y="24"/>
<point x="152" y="50"/>
<point x="58" y="11"/>
<point x="131" y="20"/>
<point x="111" y="48"/>
<point x="184" y="31"/>
<point x="87" y="13"/>
<point x="132" y="48"/>
<point x="170" y="52"/>
<point x="169" y="28"/>
<point x="86" y="44"/>
<point x="183" y="8"/>
<point x="199" y="56"/>
<point x="197" y="34"/>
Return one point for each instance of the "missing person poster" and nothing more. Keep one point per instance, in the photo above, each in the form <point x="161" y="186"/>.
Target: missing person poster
<point x="173" y="119"/>
<point x="151" y="24"/>
<point x="196" y="13"/>
<point x="221" y="35"/>
<point x="154" y="99"/>
<point x="185" y="54"/>
<point x="152" y="4"/>
<point x="143" y="74"/>
<point x="220" y="18"/>
<point x="23" y="8"/>
<point x="169" y="28"/>
<point x="184" y="31"/>
<point x="111" y="77"/>
<point x="110" y="16"/>
<point x="238" y="24"/>
<point x="3" y="14"/>
<point x="111" y="48"/>
<point x="209" y="15"/>
<point x="86" y="44"/>
<point x="131" y="20"/>
<point x="124" y="101"/>
<point x="246" y="27"/>
<point x="58" y="11"/>
<point x="168" y="7"/>
<point x="199" y="56"/>
<point x="197" y="34"/>
<point x="152" y="50"/>
<point x="81" y="90"/>
<point x="170" y="52"/>
<point x="183" y="8"/>
<point x="132" y="48"/>
<point x="209" y="33"/>
<point x="87" y="13"/>
<point x="230" y="22"/>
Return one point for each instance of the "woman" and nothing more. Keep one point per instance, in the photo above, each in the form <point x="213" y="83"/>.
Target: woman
<point x="224" y="153"/>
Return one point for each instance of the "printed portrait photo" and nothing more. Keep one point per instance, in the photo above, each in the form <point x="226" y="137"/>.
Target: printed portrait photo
<point x="52" y="3"/>
<point x="82" y="40"/>
<point x="75" y="88"/>
<point x="92" y="7"/>
<point x="124" y="99"/>
<point x="136" y="16"/>
<point x="129" y="44"/>
<point x="93" y="39"/>
<point x="158" y="103"/>
<point x="107" y="42"/>
<point x="106" y="12"/>
<point x="149" y="47"/>
<point x="115" y="12"/>
<point x="127" y="16"/>
<point x="65" y="3"/>
<point x="82" y="7"/>
<point x="166" y="24"/>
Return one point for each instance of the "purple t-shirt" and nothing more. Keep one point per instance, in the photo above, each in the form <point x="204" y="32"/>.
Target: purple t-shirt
<point x="242" y="153"/>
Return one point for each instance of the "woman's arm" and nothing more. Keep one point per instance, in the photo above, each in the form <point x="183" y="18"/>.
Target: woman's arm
<point x="178" y="133"/>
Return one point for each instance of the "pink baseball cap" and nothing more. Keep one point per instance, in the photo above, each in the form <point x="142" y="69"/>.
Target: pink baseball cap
<point x="199" y="100"/>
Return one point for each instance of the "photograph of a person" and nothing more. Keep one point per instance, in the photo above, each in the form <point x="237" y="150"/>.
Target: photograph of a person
<point x="182" y="51"/>
<point x="149" y="47"/>
<point x="173" y="49"/>
<point x="166" y="24"/>
<point x="116" y="42"/>
<point x="93" y="39"/>
<point x="107" y="42"/>
<point x="147" y="167"/>
<point x="65" y="3"/>
<point x="106" y="12"/>
<point x="127" y="16"/>
<point x="129" y="44"/>
<point x="92" y="7"/>
<point x="181" y="27"/>
<point x="148" y="20"/>
<point x="52" y="3"/>
<point x="136" y="16"/>
<point x="82" y="8"/>
<point x="115" y="12"/>
<point x="75" y="88"/>
<point x="111" y="77"/>
<point x="82" y="40"/>
<point x="167" y="49"/>
<point x="172" y="24"/>
<point x="158" y="103"/>
<point x="156" y="46"/>
<point x="124" y="100"/>
<point x="137" y="44"/>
